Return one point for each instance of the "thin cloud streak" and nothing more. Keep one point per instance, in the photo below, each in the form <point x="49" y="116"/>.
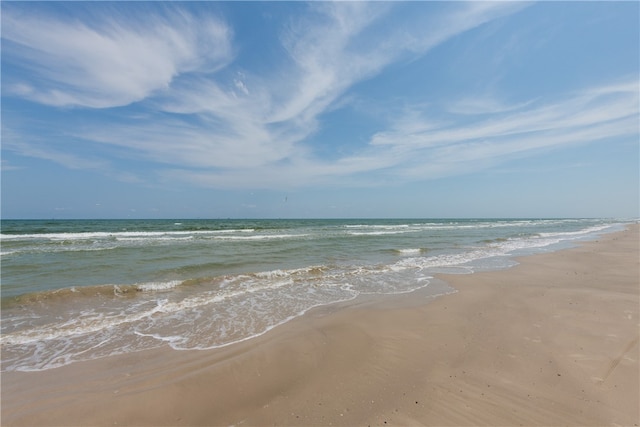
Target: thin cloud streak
<point x="592" y="106"/>
<point x="594" y="114"/>
<point x="114" y="63"/>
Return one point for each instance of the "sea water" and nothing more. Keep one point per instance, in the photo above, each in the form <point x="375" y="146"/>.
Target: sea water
<point x="82" y="289"/>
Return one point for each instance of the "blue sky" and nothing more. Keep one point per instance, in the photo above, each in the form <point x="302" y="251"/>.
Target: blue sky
<point x="347" y="109"/>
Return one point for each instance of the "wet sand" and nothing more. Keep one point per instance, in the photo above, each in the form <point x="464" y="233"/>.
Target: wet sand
<point x="552" y="341"/>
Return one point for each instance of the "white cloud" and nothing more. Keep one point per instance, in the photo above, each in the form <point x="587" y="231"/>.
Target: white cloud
<point x="597" y="113"/>
<point x="249" y="129"/>
<point x="6" y="166"/>
<point x="414" y="149"/>
<point x="257" y="124"/>
<point x="115" y="61"/>
<point x="41" y="151"/>
<point x="352" y="44"/>
<point x="241" y="86"/>
<point x="427" y="32"/>
<point x="592" y="106"/>
<point x="484" y="105"/>
<point x="44" y="147"/>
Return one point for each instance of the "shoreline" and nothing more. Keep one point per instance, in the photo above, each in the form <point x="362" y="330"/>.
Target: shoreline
<point x="551" y="341"/>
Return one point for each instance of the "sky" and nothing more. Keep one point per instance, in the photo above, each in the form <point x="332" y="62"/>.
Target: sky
<point x="320" y="110"/>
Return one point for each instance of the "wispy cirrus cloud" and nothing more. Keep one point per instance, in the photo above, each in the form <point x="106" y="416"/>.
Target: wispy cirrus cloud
<point x="597" y="113"/>
<point x="7" y="166"/>
<point x="484" y="105"/>
<point x="256" y="125"/>
<point x="592" y="106"/>
<point x="248" y="125"/>
<point x="109" y="60"/>
<point x="206" y="120"/>
<point x="417" y="147"/>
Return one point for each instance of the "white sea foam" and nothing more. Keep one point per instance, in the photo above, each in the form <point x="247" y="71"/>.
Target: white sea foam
<point x="410" y="251"/>
<point x="154" y="239"/>
<point x="158" y="286"/>
<point x="578" y="233"/>
<point x="380" y="233"/>
<point x="77" y="326"/>
<point x="262" y="237"/>
<point x="377" y="226"/>
<point x="118" y="235"/>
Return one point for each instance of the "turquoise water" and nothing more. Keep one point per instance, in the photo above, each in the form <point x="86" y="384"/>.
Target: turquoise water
<point x="76" y="290"/>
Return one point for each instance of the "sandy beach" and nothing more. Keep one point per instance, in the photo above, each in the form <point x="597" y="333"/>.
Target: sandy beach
<point x="552" y="341"/>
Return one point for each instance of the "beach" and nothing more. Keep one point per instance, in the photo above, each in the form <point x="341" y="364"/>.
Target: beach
<point x="551" y="341"/>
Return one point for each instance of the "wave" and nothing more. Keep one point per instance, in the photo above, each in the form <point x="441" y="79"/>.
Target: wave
<point x="411" y="251"/>
<point x="378" y="233"/>
<point x="221" y="311"/>
<point x="100" y="241"/>
<point x="578" y="233"/>
<point x="158" y="286"/>
<point x="118" y="235"/>
<point x="451" y="225"/>
<point x="384" y="226"/>
<point x="66" y="294"/>
<point x="262" y="237"/>
<point x="92" y="292"/>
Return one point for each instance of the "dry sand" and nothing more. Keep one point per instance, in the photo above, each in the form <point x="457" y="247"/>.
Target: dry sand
<point x="553" y="341"/>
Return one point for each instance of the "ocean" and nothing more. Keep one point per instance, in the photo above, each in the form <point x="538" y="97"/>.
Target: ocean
<point x="76" y="290"/>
